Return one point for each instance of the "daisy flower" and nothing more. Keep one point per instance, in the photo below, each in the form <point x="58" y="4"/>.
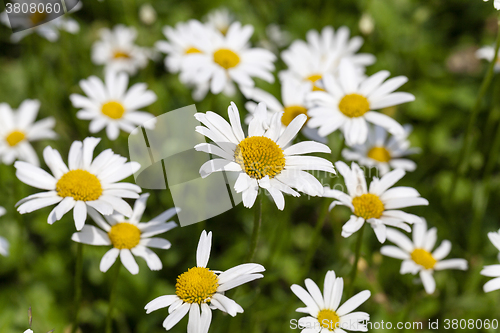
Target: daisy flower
<point x="322" y="53"/>
<point x="383" y="153"/>
<point x="488" y="53"/>
<point x="228" y="59"/>
<point x="293" y="94"/>
<point x="496" y="3"/>
<point x="129" y="237"/>
<point x="325" y="314"/>
<point x="182" y="42"/>
<point x="220" y="19"/>
<point x="417" y="256"/>
<point x="200" y="290"/>
<point x="45" y="24"/>
<point x="4" y="244"/>
<point x="263" y="158"/>
<point x="377" y="205"/>
<point x="18" y="128"/>
<point x="349" y="100"/>
<point x="117" y="51"/>
<point x="84" y="182"/>
<point x="109" y="104"/>
<point x="492" y="270"/>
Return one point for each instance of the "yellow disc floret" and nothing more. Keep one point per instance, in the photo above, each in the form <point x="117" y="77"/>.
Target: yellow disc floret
<point x="38" y="17"/>
<point x="14" y="138"/>
<point x="380" y="154"/>
<point x="192" y="50"/>
<point x="197" y="285"/>
<point x="423" y="258"/>
<point x="226" y="58"/>
<point x="124" y="235"/>
<point x="368" y="206"/>
<point x="314" y="79"/>
<point x="81" y="185"/>
<point x="118" y="54"/>
<point x="113" y="110"/>
<point x="291" y="112"/>
<point x="259" y="156"/>
<point x="328" y="319"/>
<point x="354" y="105"/>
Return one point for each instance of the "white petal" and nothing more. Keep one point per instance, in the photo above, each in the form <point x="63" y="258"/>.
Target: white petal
<point x="108" y="259"/>
<point x="128" y="261"/>
<point x="352" y="303"/>
<point x="428" y="281"/>
<point x="160" y="303"/>
<point x="203" y="250"/>
<point x="176" y="316"/>
<point x="92" y="236"/>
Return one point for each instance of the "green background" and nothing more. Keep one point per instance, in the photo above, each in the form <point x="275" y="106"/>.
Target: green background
<point x="431" y="42"/>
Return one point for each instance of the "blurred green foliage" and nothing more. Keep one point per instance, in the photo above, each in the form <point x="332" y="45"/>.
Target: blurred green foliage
<point x="431" y="42"/>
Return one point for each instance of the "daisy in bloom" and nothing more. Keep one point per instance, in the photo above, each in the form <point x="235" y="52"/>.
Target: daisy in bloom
<point x="117" y="51"/>
<point x="85" y="182"/>
<point x="321" y="54"/>
<point x="220" y="19"/>
<point x="377" y="205"/>
<point x="45" y="24"/>
<point x="4" y="244"/>
<point x="111" y="105"/>
<point x="382" y="152"/>
<point x="200" y="290"/>
<point x="348" y="102"/>
<point x="18" y="128"/>
<point x="128" y="236"/>
<point x="226" y="59"/>
<point x="293" y="94"/>
<point x="417" y="256"/>
<point x="182" y="42"/>
<point x="488" y="53"/>
<point x="493" y="270"/>
<point x="325" y="314"/>
<point x="263" y="158"/>
<point x="496" y="3"/>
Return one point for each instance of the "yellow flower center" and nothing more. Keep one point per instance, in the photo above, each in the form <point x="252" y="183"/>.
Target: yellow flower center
<point x="14" y="138"/>
<point x="291" y="112"/>
<point x="379" y="154"/>
<point x="79" y="184"/>
<point x="314" y="78"/>
<point x="226" y="58"/>
<point x="192" y="50"/>
<point x="197" y="285"/>
<point x="259" y="157"/>
<point x="423" y="258"/>
<point x="328" y="319"/>
<point x="113" y="110"/>
<point x="37" y="17"/>
<point x="118" y="54"/>
<point x="354" y="105"/>
<point x="368" y="206"/>
<point x="124" y="235"/>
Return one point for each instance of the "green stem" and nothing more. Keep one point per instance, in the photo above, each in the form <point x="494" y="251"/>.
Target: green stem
<point x="112" y="296"/>
<point x="78" y="286"/>
<point x="461" y="166"/>
<point x="313" y="247"/>
<point x="357" y="255"/>
<point x="484" y="194"/>
<point x="323" y="217"/>
<point x="257" y="221"/>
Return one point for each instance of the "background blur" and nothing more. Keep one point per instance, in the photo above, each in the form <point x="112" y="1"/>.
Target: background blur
<point x="431" y="42"/>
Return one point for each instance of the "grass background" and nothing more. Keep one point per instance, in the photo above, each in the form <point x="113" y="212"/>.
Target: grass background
<point x="431" y="42"/>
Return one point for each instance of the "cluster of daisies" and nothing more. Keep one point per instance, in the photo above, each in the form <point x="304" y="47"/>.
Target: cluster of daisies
<point x="324" y="89"/>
